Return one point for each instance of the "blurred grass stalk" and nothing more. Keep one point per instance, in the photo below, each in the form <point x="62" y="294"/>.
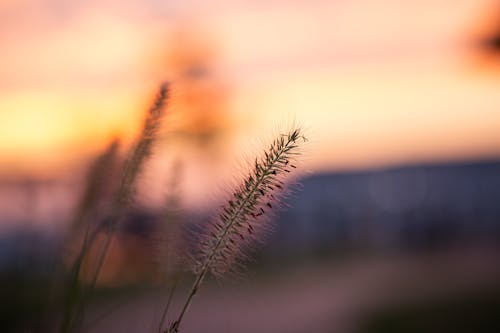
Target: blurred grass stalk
<point x="86" y="212"/>
<point x="75" y="295"/>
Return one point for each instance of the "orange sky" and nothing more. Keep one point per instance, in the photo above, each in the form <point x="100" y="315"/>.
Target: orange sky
<point x="376" y="82"/>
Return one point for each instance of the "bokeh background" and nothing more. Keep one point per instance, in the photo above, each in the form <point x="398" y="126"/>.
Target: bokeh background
<point x="396" y="225"/>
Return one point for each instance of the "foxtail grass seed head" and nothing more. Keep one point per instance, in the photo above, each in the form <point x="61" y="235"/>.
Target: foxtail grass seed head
<point x="240" y="223"/>
<point x="142" y="150"/>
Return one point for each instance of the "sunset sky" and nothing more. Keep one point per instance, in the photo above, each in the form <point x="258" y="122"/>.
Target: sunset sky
<point x="374" y="82"/>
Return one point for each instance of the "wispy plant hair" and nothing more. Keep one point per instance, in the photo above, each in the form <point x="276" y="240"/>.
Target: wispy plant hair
<point x="239" y="225"/>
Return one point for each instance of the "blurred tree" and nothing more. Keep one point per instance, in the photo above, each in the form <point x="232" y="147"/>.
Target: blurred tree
<point x="200" y="98"/>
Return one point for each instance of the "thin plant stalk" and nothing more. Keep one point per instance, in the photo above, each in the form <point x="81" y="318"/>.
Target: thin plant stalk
<point x="169" y="245"/>
<point x="167" y="305"/>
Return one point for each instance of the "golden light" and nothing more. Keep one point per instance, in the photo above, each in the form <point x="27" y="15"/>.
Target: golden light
<point x="378" y="83"/>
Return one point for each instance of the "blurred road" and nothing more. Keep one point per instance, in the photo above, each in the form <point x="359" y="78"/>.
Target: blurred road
<point x="327" y="297"/>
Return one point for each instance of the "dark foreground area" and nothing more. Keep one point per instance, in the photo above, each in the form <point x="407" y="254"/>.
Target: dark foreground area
<point x="407" y="249"/>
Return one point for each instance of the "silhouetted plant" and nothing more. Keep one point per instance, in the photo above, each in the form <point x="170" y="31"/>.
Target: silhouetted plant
<point x="132" y="168"/>
<point x="241" y="222"/>
<point x="222" y="246"/>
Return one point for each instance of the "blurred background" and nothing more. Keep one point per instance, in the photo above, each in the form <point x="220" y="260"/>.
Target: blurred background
<point x="396" y="225"/>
